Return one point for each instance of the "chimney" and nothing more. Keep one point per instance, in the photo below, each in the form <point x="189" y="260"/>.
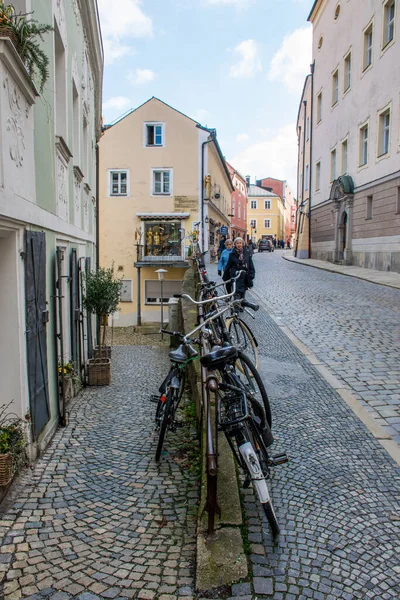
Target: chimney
<point x="248" y="180"/>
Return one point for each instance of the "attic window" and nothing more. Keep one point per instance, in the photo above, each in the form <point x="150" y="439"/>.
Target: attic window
<point x="320" y="42"/>
<point x="337" y="11"/>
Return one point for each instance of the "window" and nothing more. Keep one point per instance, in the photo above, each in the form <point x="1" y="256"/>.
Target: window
<point x="267" y="204"/>
<point x="239" y="211"/>
<point x="335" y="87"/>
<point x="118" y="182"/>
<point x="75" y="124"/>
<point x="369" y="208"/>
<point x="253" y="203"/>
<point x="384" y="132"/>
<point x="233" y="207"/>
<point x="337" y="12"/>
<point x="398" y="201"/>
<point x="347" y="72"/>
<point x="162" y="182"/>
<point x="308" y="129"/>
<point x="318" y="175"/>
<point x="344" y="157"/>
<point x="163" y="238"/>
<point x="267" y="223"/>
<point x="60" y="85"/>
<point x="306" y="179"/>
<point x="388" y="22"/>
<point x="154" y="134"/>
<point x="363" y="145"/>
<point x="367" y="47"/>
<point x="319" y="107"/>
<point x="153" y="290"/>
<point x="253" y="223"/>
<point x="333" y="165"/>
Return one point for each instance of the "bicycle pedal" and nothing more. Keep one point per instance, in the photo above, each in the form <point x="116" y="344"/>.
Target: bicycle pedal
<point x="153" y="398"/>
<point x="278" y="459"/>
<point x="246" y="483"/>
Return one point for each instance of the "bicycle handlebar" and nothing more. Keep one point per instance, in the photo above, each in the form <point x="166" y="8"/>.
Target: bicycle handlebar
<point x="201" y="302"/>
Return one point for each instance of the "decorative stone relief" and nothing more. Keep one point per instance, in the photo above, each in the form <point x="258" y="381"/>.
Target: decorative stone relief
<point x="19" y="109"/>
<point x="62" y="188"/>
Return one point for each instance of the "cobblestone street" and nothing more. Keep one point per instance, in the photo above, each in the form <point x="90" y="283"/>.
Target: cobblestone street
<point x="97" y="517"/>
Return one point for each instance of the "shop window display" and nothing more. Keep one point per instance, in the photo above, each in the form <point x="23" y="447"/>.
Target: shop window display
<point x="163" y="238"/>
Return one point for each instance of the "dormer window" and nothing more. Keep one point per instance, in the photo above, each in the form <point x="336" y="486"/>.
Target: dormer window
<point x="154" y="134"/>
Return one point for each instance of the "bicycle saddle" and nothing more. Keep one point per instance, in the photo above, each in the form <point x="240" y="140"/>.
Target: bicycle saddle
<point x="219" y="356"/>
<point x="182" y="353"/>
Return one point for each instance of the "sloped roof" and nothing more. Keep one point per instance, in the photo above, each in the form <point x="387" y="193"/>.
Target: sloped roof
<point x="257" y="191"/>
<point x="129" y="112"/>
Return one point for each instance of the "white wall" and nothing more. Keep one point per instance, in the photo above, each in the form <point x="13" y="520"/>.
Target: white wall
<point x="370" y="91"/>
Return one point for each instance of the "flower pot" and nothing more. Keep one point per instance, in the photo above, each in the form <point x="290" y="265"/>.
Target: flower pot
<point x="68" y="389"/>
<point x="99" y="371"/>
<point x="6" y="469"/>
<point x="7" y="32"/>
<point x="105" y="352"/>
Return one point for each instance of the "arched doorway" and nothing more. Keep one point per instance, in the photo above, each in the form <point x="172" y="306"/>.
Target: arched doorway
<point x="343" y="234"/>
<point x="341" y="196"/>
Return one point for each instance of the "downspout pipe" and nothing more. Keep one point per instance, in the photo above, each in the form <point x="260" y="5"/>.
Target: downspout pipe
<point x="312" y="67"/>
<point x="202" y="188"/>
<point x="97" y="232"/>
<point x="304" y="158"/>
<point x="297" y="194"/>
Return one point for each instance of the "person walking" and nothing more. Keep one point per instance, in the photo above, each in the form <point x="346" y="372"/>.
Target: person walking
<point x="239" y="260"/>
<point x="224" y="256"/>
<point x="283" y="244"/>
<point x="221" y="246"/>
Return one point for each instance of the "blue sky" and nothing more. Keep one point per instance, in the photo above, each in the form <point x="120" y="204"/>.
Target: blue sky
<point x="236" y="65"/>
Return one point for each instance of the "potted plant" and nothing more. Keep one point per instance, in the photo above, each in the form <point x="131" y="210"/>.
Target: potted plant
<point x="26" y="35"/>
<point x="101" y="297"/>
<point x="12" y="444"/>
<point x="67" y="372"/>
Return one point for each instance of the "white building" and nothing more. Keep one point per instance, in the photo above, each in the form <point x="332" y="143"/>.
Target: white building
<point x="355" y="148"/>
<point x="47" y="211"/>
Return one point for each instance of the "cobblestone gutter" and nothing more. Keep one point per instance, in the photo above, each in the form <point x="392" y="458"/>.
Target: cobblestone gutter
<point x="220" y="557"/>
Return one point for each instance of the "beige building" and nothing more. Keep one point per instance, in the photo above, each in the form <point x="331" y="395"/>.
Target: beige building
<point x="355" y="147"/>
<point x="265" y="214"/>
<point x="163" y="179"/>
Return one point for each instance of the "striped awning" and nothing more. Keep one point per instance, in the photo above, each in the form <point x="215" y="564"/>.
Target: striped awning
<point x="163" y="216"/>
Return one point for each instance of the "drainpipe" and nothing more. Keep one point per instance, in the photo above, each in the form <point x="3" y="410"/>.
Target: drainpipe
<point x="304" y="159"/>
<point x="97" y="232"/>
<point x="312" y="66"/>
<point x="139" y="310"/>
<point x="297" y="194"/>
<point x="202" y="188"/>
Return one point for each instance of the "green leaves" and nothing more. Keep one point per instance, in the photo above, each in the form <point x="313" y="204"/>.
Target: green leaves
<point x="103" y="292"/>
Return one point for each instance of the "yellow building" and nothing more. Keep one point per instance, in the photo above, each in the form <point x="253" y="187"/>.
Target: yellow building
<point x="161" y="177"/>
<point x="265" y="214"/>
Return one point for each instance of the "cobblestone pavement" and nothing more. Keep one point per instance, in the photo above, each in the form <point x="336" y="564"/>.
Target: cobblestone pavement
<point x="352" y="326"/>
<point x="97" y="518"/>
<point x="338" y="498"/>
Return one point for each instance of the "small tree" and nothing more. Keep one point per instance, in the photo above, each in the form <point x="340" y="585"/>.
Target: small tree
<point x="102" y="296"/>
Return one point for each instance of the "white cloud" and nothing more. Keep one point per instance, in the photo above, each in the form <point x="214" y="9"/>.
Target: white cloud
<point x="291" y="63"/>
<point x="125" y="23"/>
<point x="140" y="76"/>
<point x="117" y="103"/>
<point x="275" y="157"/>
<point x="249" y="63"/>
<point x="242" y="137"/>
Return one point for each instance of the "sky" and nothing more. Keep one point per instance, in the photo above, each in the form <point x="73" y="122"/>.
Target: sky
<point x="234" y="65"/>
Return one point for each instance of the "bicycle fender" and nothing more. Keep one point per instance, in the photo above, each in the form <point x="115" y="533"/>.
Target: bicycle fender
<point x="175" y="383"/>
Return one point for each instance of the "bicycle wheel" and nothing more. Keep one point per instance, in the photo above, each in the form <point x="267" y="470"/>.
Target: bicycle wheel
<point x="243" y="338"/>
<point x="255" y="389"/>
<point x="165" y="415"/>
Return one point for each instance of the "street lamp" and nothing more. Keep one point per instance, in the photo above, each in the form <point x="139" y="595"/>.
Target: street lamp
<point x="160" y="273"/>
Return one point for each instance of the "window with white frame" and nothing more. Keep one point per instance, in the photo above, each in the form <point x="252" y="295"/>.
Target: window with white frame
<point x="152" y="289"/>
<point x="253" y="203"/>
<point x="347" y="72"/>
<point x="319" y="107"/>
<point x="118" y="182"/>
<point x="267" y="223"/>
<point x="367" y="58"/>
<point x="368" y="211"/>
<point x="154" y="134"/>
<point x="344" y="157"/>
<point x="253" y="223"/>
<point x="239" y="211"/>
<point x="233" y="206"/>
<point x="333" y="165"/>
<point x="161" y="182"/>
<point x="363" y="149"/>
<point x="308" y="128"/>
<point x="335" y="87"/>
<point x="306" y="179"/>
<point x="388" y="22"/>
<point x="267" y="204"/>
<point x="318" y="175"/>
<point x="384" y="132"/>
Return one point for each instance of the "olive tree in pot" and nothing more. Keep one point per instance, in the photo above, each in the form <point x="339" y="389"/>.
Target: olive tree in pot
<point x="102" y="296"/>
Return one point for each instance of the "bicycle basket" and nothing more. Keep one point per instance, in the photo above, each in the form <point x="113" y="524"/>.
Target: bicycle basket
<point x="232" y="408"/>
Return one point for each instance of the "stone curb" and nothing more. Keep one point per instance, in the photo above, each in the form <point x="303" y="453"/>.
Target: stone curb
<point x="220" y="558"/>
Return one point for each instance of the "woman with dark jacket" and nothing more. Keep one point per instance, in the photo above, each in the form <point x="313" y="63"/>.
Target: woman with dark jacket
<point x="239" y="260"/>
